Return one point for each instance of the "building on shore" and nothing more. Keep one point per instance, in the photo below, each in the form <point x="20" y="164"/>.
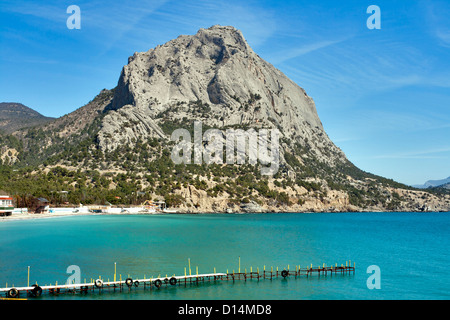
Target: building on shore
<point x="42" y="205"/>
<point x="6" y="206"/>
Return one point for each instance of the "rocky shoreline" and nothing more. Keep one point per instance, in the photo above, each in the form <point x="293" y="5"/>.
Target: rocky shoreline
<point x="198" y="201"/>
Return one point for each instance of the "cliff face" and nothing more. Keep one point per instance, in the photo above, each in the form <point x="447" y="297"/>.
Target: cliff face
<point x="229" y="83"/>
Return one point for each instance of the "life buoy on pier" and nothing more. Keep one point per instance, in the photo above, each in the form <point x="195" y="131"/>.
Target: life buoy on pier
<point x="37" y="291"/>
<point x="166" y="280"/>
<point x="158" y="283"/>
<point x="13" y="293"/>
<point x="136" y="283"/>
<point x="129" y="282"/>
<point x="284" y="273"/>
<point x="98" y="283"/>
<point x="173" y="281"/>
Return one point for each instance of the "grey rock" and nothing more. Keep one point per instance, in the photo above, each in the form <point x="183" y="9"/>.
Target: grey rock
<point x="217" y="67"/>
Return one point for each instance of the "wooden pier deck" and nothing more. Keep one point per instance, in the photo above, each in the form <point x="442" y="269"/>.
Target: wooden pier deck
<point x="148" y="283"/>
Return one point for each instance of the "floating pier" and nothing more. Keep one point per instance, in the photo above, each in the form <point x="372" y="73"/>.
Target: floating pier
<point x="99" y="284"/>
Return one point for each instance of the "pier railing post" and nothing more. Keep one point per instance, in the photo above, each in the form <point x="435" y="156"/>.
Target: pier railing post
<point x="100" y="284"/>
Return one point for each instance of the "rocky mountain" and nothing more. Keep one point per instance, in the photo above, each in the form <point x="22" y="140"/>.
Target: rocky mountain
<point x="434" y="183"/>
<point x="445" y="186"/>
<point x="216" y="78"/>
<point x="14" y="116"/>
<point x="119" y="147"/>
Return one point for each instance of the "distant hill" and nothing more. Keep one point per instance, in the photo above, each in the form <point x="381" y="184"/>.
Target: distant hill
<point x="434" y="183"/>
<point x="443" y="189"/>
<point x="446" y="186"/>
<point x="14" y="116"/>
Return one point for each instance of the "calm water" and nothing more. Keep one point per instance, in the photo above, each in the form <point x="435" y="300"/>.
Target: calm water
<point x="411" y="249"/>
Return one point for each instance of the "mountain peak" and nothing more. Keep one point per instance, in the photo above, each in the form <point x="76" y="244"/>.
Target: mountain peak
<point x="214" y="77"/>
<point x="229" y="34"/>
<point x="221" y="28"/>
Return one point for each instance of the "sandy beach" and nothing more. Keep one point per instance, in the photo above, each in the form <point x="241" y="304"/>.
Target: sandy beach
<point x="29" y="216"/>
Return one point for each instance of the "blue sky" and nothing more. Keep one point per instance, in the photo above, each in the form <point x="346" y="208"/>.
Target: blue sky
<point x="383" y="95"/>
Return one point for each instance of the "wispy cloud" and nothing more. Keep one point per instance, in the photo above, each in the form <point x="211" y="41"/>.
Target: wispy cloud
<point x="347" y="139"/>
<point x="424" y="154"/>
<point x="101" y="23"/>
<point x="120" y="24"/>
<point x="285" y="55"/>
<point x="26" y="60"/>
<point x="356" y="68"/>
<point x="48" y="11"/>
<point x="436" y="15"/>
<point x="444" y="37"/>
<point x="256" y="22"/>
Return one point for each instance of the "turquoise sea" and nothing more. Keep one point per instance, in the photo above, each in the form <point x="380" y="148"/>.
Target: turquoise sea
<point x="411" y="250"/>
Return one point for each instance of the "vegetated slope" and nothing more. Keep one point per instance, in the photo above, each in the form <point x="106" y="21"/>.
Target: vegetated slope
<point x="14" y="116"/>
